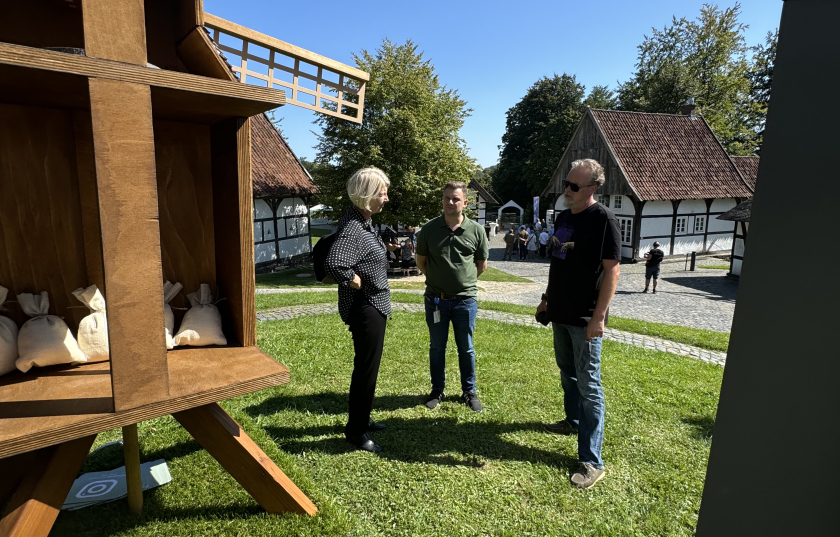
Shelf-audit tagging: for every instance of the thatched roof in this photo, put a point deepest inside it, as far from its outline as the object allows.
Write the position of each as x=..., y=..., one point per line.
x=739, y=213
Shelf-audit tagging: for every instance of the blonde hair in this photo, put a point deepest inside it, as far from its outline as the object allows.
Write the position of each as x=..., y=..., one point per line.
x=596, y=171
x=364, y=185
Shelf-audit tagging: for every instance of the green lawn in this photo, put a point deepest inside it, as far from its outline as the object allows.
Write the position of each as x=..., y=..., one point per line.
x=706, y=339
x=300, y=277
x=445, y=472
x=495, y=275
x=716, y=267
x=316, y=234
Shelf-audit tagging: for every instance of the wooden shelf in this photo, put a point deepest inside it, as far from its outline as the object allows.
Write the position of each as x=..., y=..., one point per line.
x=56, y=404
x=43, y=77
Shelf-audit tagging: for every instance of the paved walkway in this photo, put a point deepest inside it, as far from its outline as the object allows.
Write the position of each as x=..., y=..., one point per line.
x=648, y=342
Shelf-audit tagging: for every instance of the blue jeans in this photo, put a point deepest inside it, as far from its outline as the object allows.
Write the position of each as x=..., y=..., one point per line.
x=579, y=361
x=462, y=314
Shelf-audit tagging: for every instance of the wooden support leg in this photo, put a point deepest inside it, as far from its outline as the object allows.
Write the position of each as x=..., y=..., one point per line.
x=35, y=505
x=131, y=452
x=225, y=440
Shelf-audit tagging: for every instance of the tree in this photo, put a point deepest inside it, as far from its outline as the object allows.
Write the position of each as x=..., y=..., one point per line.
x=705, y=59
x=761, y=78
x=410, y=130
x=538, y=129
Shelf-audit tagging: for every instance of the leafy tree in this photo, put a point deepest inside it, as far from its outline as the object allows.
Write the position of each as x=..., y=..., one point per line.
x=761, y=78
x=705, y=59
x=410, y=130
x=538, y=129
x=602, y=98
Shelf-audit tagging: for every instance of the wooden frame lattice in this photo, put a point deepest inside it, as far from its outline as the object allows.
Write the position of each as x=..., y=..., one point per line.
x=330, y=97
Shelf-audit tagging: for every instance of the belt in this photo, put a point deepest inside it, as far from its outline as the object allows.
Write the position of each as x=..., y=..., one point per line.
x=444, y=296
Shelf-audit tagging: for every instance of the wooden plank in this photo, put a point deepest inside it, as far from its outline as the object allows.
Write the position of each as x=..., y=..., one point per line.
x=212, y=21
x=123, y=141
x=200, y=57
x=36, y=503
x=190, y=15
x=115, y=30
x=42, y=24
x=233, y=212
x=134, y=483
x=258, y=99
x=89, y=200
x=225, y=440
x=41, y=239
x=13, y=470
x=162, y=33
x=185, y=205
x=197, y=376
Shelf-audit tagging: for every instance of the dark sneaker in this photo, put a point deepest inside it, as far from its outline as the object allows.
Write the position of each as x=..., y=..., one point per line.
x=471, y=400
x=563, y=427
x=434, y=399
x=587, y=475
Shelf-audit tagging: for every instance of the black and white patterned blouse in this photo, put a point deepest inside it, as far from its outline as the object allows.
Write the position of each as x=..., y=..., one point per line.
x=359, y=250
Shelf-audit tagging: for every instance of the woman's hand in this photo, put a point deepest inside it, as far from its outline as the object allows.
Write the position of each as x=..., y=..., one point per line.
x=393, y=246
x=356, y=283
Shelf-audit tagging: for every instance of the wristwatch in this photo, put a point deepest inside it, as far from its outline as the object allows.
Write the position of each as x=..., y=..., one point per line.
x=544, y=297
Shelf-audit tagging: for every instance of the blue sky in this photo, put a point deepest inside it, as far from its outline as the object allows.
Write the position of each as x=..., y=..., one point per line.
x=491, y=51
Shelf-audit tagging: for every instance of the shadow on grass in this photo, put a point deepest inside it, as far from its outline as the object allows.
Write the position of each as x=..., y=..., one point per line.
x=114, y=457
x=703, y=426
x=429, y=440
x=329, y=403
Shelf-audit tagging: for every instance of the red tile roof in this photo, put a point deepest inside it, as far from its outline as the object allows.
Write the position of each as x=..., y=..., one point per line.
x=275, y=169
x=667, y=156
x=748, y=166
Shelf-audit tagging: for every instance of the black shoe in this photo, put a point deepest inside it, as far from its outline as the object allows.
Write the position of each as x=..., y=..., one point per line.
x=563, y=427
x=364, y=443
x=654, y=291
x=434, y=399
x=471, y=400
x=645, y=291
x=373, y=426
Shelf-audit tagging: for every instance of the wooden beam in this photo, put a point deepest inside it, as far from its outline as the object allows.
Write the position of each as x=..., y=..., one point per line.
x=123, y=142
x=225, y=440
x=199, y=55
x=133, y=481
x=190, y=15
x=115, y=30
x=89, y=199
x=36, y=503
x=261, y=98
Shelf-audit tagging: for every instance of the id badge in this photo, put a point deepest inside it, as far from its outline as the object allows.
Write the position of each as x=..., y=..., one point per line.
x=436, y=313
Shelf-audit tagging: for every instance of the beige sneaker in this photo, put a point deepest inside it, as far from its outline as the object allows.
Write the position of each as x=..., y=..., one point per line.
x=587, y=475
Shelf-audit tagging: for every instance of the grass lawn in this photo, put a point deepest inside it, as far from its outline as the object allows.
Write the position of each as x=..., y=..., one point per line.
x=445, y=472
x=706, y=339
x=495, y=275
x=716, y=267
x=299, y=277
x=316, y=234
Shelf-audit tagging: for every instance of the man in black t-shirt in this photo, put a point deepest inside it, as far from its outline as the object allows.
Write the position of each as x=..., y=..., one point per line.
x=654, y=258
x=581, y=282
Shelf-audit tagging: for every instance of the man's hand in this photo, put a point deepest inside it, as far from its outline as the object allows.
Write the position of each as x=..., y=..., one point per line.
x=542, y=307
x=357, y=282
x=595, y=328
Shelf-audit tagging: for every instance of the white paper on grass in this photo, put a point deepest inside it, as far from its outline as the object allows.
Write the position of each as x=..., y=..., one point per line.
x=202, y=324
x=44, y=339
x=93, y=330
x=8, y=339
x=170, y=291
x=102, y=487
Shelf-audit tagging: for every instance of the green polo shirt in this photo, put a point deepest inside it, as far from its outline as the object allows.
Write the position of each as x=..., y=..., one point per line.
x=451, y=256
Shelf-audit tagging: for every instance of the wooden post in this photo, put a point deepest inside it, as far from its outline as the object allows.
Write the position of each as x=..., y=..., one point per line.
x=225, y=440
x=134, y=483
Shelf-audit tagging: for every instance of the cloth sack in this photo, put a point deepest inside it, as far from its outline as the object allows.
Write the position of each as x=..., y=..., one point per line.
x=8, y=339
x=170, y=291
x=93, y=330
x=44, y=339
x=202, y=324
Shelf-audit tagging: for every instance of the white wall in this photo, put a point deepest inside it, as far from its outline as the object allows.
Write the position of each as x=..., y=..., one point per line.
x=721, y=205
x=290, y=247
x=646, y=245
x=261, y=209
x=626, y=209
x=692, y=206
x=658, y=207
x=290, y=206
x=719, y=242
x=264, y=252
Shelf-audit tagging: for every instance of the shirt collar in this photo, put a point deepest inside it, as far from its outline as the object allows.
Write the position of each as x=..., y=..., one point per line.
x=443, y=220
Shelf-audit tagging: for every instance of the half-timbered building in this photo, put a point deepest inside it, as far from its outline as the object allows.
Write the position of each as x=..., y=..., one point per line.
x=667, y=179
x=483, y=198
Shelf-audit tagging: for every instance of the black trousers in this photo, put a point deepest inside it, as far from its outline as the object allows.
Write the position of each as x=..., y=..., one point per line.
x=368, y=328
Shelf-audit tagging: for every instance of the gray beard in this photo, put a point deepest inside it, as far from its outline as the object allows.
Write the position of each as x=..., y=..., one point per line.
x=567, y=203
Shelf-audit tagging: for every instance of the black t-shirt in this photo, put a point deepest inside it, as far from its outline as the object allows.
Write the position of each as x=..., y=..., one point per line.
x=574, y=278
x=656, y=256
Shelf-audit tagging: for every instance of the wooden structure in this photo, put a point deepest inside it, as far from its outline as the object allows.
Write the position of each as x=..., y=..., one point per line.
x=740, y=214
x=125, y=163
x=483, y=198
x=667, y=177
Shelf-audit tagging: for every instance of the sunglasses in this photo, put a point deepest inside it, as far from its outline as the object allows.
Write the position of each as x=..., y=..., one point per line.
x=574, y=187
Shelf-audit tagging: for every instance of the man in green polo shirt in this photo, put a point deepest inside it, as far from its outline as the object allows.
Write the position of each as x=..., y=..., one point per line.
x=452, y=252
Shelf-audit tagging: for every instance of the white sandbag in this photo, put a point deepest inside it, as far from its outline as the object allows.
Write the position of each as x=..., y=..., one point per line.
x=170, y=291
x=8, y=339
x=202, y=325
x=44, y=339
x=93, y=330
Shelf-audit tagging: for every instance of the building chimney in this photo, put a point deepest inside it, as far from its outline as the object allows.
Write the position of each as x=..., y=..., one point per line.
x=688, y=108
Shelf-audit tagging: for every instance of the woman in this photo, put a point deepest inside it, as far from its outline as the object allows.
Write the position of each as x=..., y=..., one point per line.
x=532, y=243
x=358, y=262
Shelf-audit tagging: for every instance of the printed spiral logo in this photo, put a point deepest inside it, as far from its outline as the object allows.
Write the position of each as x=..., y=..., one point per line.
x=96, y=488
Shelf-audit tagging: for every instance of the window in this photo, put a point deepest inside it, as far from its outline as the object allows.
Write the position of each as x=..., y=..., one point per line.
x=626, y=227
x=617, y=202
x=699, y=224
x=604, y=200
x=257, y=231
x=681, y=225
